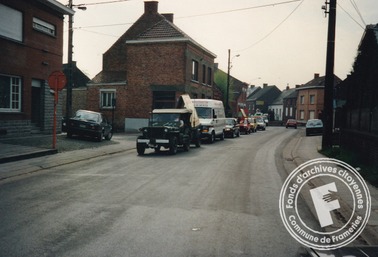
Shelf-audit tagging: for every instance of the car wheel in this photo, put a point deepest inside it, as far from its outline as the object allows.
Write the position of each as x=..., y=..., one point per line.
x=157, y=149
x=212, y=138
x=173, y=146
x=238, y=133
x=109, y=135
x=186, y=146
x=222, y=136
x=69, y=134
x=140, y=149
x=295, y=127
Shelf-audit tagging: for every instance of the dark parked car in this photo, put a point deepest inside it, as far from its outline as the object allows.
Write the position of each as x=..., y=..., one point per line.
x=91, y=124
x=314, y=127
x=291, y=123
x=232, y=128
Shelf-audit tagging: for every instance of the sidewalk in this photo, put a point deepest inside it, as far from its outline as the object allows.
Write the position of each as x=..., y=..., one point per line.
x=17, y=159
x=302, y=149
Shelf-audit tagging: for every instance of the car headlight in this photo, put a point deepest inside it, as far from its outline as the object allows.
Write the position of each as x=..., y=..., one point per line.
x=165, y=130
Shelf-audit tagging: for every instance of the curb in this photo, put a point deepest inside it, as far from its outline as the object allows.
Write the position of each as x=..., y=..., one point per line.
x=19, y=157
x=368, y=234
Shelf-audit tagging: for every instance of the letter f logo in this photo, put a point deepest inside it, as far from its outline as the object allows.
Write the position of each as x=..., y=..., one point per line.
x=325, y=202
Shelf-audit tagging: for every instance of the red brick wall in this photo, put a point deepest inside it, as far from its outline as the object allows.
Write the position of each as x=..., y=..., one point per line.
x=151, y=64
x=318, y=105
x=26, y=59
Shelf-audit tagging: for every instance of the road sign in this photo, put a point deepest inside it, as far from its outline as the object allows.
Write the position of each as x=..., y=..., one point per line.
x=57, y=80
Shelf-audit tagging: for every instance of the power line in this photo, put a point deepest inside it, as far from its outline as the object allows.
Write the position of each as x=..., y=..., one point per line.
x=192, y=16
x=274, y=29
x=358, y=11
x=105, y=2
x=350, y=16
x=240, y=9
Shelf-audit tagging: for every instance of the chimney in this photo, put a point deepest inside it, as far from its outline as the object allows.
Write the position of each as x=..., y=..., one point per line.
x=316, y=75
x=287, y=87
x=265, y=85
x=168, y=16
x=151, y=7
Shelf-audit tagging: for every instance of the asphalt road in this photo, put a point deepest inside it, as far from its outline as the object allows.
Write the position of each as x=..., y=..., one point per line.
x=217, y=200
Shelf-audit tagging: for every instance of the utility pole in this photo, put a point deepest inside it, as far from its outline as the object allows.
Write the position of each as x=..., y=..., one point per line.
x=69, y=62
x=228, y=84
x=329, y=79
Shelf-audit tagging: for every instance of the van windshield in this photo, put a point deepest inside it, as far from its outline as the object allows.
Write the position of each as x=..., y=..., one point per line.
x=204, y=112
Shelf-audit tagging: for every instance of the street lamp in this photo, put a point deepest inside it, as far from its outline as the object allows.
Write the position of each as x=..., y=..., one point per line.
x=228, y=80
x=69, y=59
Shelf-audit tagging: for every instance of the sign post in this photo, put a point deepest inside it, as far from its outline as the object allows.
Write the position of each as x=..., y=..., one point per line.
x=57, y=80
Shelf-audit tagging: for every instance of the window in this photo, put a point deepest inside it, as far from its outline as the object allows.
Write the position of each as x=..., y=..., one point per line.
x=11, y=23
x=312, y=99
x=10, y=94
x=203, y=74
x=43, y=26
x=209, y=76
x=302, y=99
x=301, y=115
x=194, y=70
x=312, y=115
x=107, y=97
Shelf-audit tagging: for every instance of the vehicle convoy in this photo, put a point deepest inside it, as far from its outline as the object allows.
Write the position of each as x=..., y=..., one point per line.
x=89, y=123
x=171, y=128
x=212, y=118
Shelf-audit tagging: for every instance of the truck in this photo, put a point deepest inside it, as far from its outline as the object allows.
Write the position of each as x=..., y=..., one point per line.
x=171, y=128
x=212, y=118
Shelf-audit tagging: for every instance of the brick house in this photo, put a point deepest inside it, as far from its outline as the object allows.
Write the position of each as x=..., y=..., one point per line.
x=148, y=67
x=282, y=108
x=261, y=99
x=310, y=99
x=290, y=106
x=31, y=48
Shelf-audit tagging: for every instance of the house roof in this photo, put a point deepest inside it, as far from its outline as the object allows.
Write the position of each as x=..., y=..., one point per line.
x=109, y=77
x=55, y=5
x=165, y=31
x=318, y=81
x=284, y=94
x=265, y=90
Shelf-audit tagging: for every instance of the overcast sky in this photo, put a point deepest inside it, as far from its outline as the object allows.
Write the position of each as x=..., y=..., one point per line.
x=280, y=42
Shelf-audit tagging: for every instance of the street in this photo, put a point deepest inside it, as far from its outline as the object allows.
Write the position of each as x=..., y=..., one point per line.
x=217, y=200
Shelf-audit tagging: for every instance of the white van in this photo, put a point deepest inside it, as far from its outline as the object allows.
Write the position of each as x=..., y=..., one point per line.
x=212, y=118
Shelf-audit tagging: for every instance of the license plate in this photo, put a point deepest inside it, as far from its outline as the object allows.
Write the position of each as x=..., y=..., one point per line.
x=82, y=126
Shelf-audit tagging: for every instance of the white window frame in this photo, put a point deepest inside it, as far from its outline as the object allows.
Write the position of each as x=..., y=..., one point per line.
x=106, y=102
x=44, y=27
x=15, y=89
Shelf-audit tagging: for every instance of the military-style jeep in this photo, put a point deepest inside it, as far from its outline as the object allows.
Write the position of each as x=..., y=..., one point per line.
x=171, y=128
